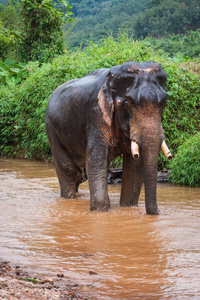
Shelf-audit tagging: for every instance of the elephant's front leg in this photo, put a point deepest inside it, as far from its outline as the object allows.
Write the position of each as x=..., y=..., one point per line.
x=132, y=179
x=97, y=172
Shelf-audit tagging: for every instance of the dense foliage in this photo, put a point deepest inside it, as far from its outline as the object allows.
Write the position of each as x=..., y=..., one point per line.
x=166, y=17
x=41, y=34
x=9, y=30
x=186, y=165
x=95, y=19
x=22, y=129
x=12, y=72
x=31, y=29
x=179, y=45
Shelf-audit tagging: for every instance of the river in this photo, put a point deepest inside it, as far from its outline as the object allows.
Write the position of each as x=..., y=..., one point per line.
x=120, y=254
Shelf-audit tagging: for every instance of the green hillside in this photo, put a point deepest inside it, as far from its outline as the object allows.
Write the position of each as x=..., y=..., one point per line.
x=170, y=25
x=95, y=20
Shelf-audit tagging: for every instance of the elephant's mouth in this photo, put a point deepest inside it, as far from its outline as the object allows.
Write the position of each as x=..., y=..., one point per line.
x=136, y=154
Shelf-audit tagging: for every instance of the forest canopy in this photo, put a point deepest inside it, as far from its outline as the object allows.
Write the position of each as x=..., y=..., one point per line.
x=173, y=23
x=94, y=19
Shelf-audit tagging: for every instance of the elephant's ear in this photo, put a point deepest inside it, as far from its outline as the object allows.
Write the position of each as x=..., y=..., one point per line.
x=105, y=100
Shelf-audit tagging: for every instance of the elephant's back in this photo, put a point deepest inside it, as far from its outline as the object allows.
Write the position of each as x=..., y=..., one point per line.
x=74, y=97
x=72, y=106
x=81, y=86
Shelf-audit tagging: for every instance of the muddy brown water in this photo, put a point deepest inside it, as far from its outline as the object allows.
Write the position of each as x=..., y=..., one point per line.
x=132, y=255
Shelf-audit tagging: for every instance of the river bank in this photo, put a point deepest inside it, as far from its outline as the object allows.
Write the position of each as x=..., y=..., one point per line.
x=16, y=283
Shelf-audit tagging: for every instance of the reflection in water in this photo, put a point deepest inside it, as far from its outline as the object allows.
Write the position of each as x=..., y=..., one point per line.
x=132, y=254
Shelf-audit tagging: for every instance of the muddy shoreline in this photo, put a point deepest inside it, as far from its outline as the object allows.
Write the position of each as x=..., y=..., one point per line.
x=16, y=283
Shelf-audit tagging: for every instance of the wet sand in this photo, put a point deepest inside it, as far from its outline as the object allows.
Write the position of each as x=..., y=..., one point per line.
x=15, y=283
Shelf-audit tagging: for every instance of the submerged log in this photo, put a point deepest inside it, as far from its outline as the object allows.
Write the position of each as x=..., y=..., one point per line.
x=115, y=176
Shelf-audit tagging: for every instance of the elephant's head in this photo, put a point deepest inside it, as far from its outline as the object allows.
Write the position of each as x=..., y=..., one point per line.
x=133, y=98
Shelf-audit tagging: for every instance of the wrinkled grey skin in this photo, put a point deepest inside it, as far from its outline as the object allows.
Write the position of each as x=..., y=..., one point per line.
x=92, y=120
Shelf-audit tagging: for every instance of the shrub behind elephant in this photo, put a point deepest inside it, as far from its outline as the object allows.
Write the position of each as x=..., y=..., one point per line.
x=92, y=120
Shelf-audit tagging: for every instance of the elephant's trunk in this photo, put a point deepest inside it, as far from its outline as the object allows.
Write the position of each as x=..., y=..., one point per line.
x=150, y=157
x=150, y=182
x=150, y=151
x=146, y=138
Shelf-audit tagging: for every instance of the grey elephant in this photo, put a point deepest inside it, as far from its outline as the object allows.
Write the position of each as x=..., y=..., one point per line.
x=92, y=120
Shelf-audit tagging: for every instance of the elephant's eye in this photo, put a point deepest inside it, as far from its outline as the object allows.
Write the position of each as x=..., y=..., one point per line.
x=128, y=106
x=161, y=80
x=124, y=84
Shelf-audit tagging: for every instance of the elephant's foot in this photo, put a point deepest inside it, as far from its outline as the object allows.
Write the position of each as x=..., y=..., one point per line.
x=68, y=191
x=128, y=203
x=100, y=208
x=100, y=205
x=69, y=185
x=153, y=211
x=67, y=195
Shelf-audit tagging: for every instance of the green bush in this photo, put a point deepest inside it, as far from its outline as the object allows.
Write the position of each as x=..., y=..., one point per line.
x=23, y=106
x=22, y=116
x=186, y=164
x=181, y=117
x=10, y=71
x=7, y=41
x=180, y=45
x=10, y=25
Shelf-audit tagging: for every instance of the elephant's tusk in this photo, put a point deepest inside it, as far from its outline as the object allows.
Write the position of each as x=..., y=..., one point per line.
x=165, y=150
x=135, y=150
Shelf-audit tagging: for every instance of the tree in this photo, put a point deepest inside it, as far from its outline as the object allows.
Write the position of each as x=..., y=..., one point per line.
x=6, y=41
x=41, y=37
x=10, y=25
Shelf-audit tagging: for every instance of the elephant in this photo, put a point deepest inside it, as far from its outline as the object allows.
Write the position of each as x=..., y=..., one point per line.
x=109, y=112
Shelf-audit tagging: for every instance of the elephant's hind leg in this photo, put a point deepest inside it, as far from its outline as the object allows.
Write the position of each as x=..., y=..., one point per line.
x=69, y=175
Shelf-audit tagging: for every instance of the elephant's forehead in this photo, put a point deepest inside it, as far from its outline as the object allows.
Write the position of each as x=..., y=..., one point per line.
x=153, y=69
